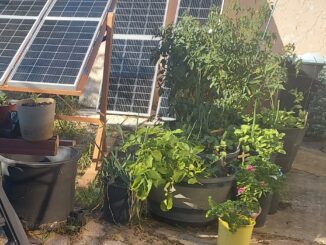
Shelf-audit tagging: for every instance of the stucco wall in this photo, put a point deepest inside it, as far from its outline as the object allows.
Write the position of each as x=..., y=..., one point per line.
x=302, y=22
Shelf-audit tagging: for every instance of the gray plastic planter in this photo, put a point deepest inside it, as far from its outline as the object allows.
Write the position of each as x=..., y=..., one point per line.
x=190, y=202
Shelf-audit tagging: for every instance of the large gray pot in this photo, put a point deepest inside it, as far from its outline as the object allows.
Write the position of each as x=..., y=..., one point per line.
x=190, y=202
x=292, y=141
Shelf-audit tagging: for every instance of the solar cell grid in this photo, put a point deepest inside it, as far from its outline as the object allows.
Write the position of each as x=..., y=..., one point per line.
x=197, y=8
x=12, y=35
x=141, y=17
x=132, y=74
x=57, y=53
x=78, y=8
x=22, y=7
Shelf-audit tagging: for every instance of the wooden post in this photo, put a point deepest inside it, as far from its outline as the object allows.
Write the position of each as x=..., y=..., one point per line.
x=100, y=149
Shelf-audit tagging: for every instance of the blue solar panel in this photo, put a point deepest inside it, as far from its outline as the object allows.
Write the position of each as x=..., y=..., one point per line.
x=57, y=53
x=22, y=7
x=142, y=17
x=13, y=33
x=132, y=75
x=78, y=8
x=197, y=8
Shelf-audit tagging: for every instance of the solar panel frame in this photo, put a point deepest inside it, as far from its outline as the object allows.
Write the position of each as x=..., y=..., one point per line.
x=11, y=65
x=162, y=110
x=82, y=68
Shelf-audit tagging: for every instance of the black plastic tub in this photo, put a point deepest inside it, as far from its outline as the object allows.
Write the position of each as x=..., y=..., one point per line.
x=265, y=204
x=116, y=203
x=292, y=141
x=42, y=191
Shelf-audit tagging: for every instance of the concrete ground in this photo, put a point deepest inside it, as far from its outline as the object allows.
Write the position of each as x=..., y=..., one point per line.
x=301, y=218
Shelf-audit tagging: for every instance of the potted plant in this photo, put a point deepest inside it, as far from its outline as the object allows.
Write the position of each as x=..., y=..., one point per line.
x=36, y=118
x=258, y=179
x=116, y=188
x=5, y=108
x=235, y=221
x=168, y=170
x=292, y=123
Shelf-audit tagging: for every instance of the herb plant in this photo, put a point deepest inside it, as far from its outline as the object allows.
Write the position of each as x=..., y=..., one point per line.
x=259, y=141
x=236, y=213
x=3, y=99
x=161, y=158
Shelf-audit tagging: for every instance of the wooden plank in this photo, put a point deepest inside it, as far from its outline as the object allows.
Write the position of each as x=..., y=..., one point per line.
x=84, y=119
x=100, y=144
x=67, y=143
x=40, y=91
x=23, y=147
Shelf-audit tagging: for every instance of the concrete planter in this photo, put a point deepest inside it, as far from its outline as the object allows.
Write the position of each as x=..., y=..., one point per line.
x=190, y=202
x=36, y=119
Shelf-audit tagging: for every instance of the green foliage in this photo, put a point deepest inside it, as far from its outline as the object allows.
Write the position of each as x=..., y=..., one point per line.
x=3, y=99
x=216, y=69
x=280, y=119
x=161, y=158
x=35, y=97
x=317, y=110
x=236, y=213
x=262, y=142
x=89, y=197
x=257, y=177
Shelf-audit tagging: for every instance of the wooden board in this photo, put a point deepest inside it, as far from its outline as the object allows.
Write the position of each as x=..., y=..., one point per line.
x=23, y=147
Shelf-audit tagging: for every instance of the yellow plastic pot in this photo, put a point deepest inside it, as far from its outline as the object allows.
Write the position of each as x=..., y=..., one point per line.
x=241, y=237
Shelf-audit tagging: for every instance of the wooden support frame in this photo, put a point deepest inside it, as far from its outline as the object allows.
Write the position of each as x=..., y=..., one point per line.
x=100, y=146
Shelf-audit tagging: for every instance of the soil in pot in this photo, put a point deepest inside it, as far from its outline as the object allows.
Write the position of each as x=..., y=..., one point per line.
x=265, y=204
x=36, y=120
x=116, y=203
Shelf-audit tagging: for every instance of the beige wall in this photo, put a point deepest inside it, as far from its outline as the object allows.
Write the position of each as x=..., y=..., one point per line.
x=302, y=22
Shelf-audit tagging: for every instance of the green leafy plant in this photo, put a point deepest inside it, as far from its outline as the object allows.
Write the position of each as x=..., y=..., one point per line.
x=317, y=110
x=236, y=213
x=257, y=177
x=259, y=141
x=276, y=118
x=161, y=158
x=3, y=99
x=217, y=68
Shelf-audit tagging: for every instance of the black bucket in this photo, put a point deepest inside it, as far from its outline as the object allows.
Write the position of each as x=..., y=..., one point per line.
x=292, y=141
x=265, y=204
x=275, y=203
x=43, y=191
x=116, y=203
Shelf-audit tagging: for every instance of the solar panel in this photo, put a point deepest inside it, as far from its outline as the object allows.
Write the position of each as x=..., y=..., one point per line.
x=78, y=8
x=57, y=52
x=13, y=33
x=197, y=8
x=200, y=10
x=142, y=17
x=22, y=7
x=132, y=74
x=57, y=56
